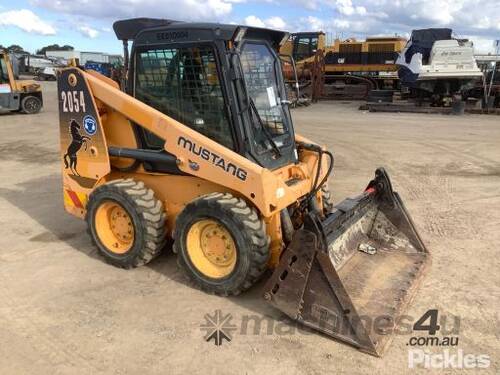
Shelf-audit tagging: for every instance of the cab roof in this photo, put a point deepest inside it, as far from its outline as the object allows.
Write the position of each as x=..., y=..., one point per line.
x=129, y=28
x=146, y=30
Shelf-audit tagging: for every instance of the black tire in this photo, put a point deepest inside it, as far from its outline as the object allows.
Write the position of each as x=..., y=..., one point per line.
x=248, y=232
x=148, y=218
x=327, y=199
x=31, y=104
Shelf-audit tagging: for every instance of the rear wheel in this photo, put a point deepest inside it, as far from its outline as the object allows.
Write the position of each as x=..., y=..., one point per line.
x=126, y=223
x=221, y=243
x=31, y=104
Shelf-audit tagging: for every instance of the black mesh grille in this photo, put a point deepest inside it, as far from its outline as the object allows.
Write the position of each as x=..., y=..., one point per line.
x=184, y=84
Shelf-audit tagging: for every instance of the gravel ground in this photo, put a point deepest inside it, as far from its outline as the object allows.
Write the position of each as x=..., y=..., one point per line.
x=65, y=311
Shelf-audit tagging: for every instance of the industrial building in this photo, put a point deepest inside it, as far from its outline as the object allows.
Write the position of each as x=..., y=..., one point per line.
x=85, y=56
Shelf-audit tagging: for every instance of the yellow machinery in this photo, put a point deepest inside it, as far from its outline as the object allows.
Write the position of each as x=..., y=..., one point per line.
x=200, y=149
x=24, y=95
x=348, y=68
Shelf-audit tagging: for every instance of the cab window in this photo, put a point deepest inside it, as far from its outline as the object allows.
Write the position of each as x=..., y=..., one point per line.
x=305, y=47
x=184, y=84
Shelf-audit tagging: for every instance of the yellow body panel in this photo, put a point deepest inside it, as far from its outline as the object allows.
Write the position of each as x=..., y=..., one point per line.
x=93, y=161
x=287, y=48
x=260, y=186
x=114, y=111
x=25, y=85
x=329, y=68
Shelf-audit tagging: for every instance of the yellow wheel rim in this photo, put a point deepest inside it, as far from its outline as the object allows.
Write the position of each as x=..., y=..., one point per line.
x=114, y=227
x=211, y=248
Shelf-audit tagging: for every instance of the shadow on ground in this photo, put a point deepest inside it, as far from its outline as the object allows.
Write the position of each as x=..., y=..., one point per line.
x=28, y=152
x=41, y=199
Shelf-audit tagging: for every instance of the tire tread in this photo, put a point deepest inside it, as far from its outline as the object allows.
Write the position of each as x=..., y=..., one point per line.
x=249, y=223
x=151, y=213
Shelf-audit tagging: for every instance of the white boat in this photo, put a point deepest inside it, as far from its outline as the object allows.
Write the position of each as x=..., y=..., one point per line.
x=434, y=65
x=450, y=59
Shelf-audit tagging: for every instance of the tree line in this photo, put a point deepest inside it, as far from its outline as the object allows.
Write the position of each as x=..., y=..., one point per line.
x=15, y=48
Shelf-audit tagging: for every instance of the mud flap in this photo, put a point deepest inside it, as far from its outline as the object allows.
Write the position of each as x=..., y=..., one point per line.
x=352, y=274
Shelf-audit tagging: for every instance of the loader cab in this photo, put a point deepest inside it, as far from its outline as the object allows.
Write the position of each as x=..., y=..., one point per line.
x=224, y=81
x=306, y=44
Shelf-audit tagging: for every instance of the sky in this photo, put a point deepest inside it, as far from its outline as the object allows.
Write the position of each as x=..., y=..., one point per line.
x=87, y=24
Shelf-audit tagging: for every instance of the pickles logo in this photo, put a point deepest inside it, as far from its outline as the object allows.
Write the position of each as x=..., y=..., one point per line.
x=447, y=359
x=212, y=157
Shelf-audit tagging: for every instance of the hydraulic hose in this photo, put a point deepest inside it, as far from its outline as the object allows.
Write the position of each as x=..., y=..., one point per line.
x=317, y=186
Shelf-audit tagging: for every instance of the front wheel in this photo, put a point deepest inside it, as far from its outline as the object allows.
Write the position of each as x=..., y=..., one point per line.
x=221, y=243
x=31, y=104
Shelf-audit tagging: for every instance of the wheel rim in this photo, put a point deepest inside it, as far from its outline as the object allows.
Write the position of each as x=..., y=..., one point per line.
x=114, y=227
x=211, y=248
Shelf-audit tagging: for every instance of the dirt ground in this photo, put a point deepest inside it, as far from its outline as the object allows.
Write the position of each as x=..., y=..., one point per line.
x=65, y=311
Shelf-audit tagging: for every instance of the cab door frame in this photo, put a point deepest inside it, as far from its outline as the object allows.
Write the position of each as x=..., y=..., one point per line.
x=222, y=62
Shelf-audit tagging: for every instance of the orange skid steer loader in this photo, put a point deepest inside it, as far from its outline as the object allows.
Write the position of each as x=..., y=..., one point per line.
x=199, y=147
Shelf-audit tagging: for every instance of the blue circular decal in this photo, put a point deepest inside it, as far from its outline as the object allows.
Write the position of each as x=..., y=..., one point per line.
x=90, y=125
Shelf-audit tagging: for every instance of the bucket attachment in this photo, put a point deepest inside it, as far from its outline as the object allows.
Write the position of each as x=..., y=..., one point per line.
x=352, y=274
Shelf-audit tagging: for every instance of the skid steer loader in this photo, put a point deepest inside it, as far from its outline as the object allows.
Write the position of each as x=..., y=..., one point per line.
x=200, y=148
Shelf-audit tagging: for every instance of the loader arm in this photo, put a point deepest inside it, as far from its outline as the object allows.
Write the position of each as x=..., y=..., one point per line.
x=200, y=156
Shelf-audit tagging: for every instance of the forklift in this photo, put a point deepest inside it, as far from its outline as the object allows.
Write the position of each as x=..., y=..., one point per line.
x=17, y=95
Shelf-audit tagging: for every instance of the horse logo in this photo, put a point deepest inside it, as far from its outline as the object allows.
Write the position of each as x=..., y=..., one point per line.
x=77, y=141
